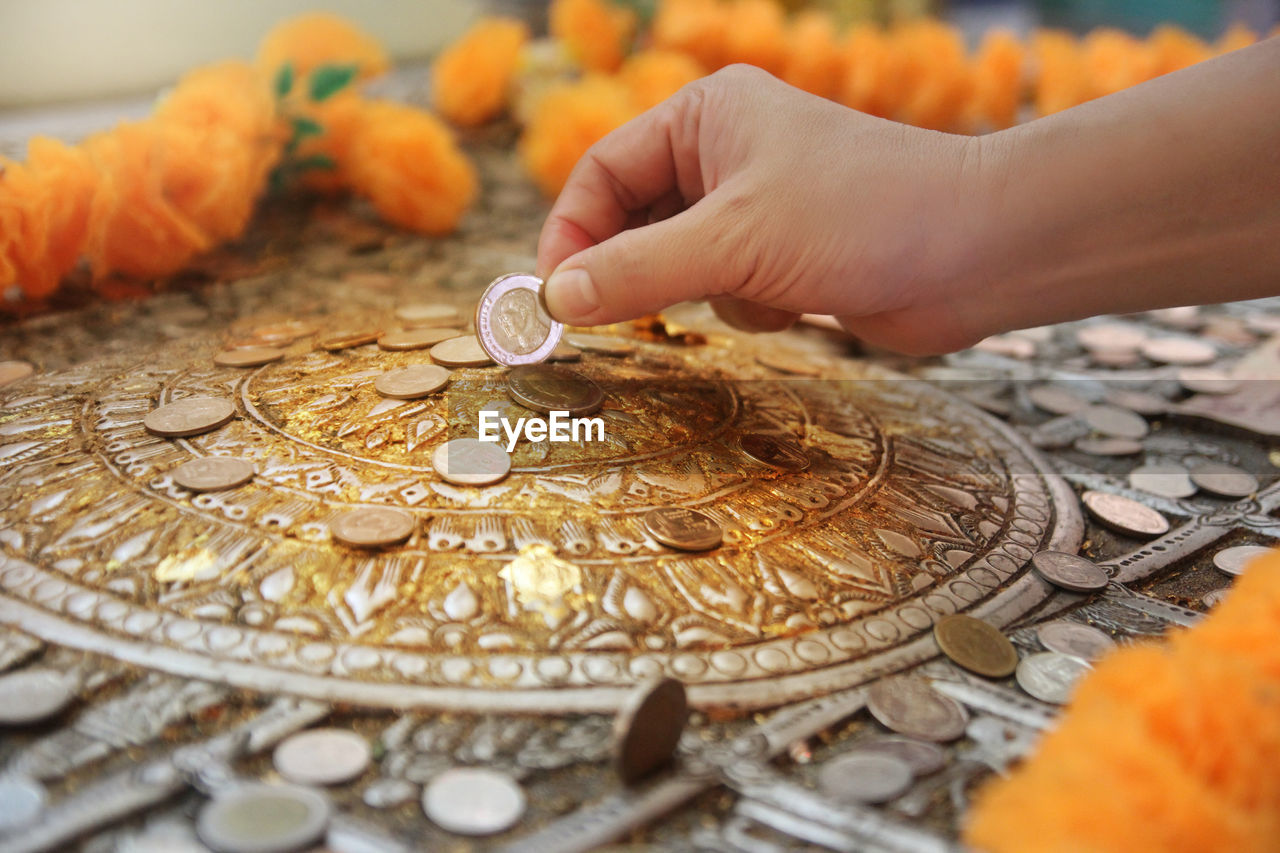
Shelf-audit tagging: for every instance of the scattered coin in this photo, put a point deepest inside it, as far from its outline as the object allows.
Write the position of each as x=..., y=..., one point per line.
x=1179, y=351
x=389, y=793
x=410, y=339
x=1142, y=402
x=322, y=756
x=213, y=473
x=543, y=388
x=12, y=371
x=349, y=339
x=512, y=323
x=189, y=416
x=427, y=315
x=686, y=529
x=781, y=453
x=1178, y=317
x=257, y=818
x=1124, y=515
x=1056, y=401
x=1108, y=446
x=864, y=777
x=32, y=695
x=908, y=705
x=278, y=334
x=248, y=356
x=373, y=526
x=647, y=729
x=471, y=462
x=412, y=382
x=601, y=344
x=976, y=645
x=1234, y=560
x=1050, y=676
x=565, y=352
x=1206, y=380
x=1059, y=432
x=1114, y=357
x=1111, y=337
x=462, y=351
x=1069, y=571
x=21, y=801
x=1224, y=480
x=1007, y=345
x=921, y=756
x=473, y=801
x=1164, y=479
x=1115, y=421
x=1074, y=638
x=788, y=362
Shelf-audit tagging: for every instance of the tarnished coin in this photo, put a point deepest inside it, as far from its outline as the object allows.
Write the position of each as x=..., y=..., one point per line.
x=686, y=529
x=213, y=473
x=189, y=416
x=257, y=818
x=248, y=356
x=349, y=339
x=1234, y=560
x=543, y=388
x=1164, y=479
x=976, y=645
x=1228, y=481
x=600, y=344
x=1179, y=351
x=1124, y=515
x=647, y=729
x=908, y=705
x=473, y=801
x=322, y=757
x=1206, y=380
x=785, y=454
x=1073, y=638
x=12, y=371
x=921, y=756
x=1050, y=676
x=864, y=777
x=429, y=314
x=1069, y=571
x=462, y=351
x=412, y=382
x=1115, y=421
x=512, y=323
x=787, y=361
x=21, y=801
x=1055, y=400
x=1142, y=402
x=32, y=695
x=410, y=339
x=471, y=462
x=373, y=526
x=565, y=352
x=1108, y=446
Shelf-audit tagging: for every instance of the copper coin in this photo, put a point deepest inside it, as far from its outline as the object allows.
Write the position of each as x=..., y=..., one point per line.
x=189, y=416
x=908, y=705
x=1115, y=421
x=372, y=526
x=1074, y=638
x=12, y=371
x=1163, y=479
x=781, y=453
x=1206, y=380
x=1179, y=351
x=512, y=323
x=1233, y=561
x=1224, y=480
x=1108, y=446
x=976, y=645
x=788, y=362
x=248, y=357
x=213, y=473
x=1141, y=402
x=1124, y=515
x=471, y=462
x=462, y=351
x=412, y=382
x=410, y=339
x=426, y=315
x=1069, y=571
x=1057, y=401
x=346, y=340
x=553, y=389
x=647, y=729
x=686, y=529
x=601, y=344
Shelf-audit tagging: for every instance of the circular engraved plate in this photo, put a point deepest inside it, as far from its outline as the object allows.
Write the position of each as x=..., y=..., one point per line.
x=905, y=505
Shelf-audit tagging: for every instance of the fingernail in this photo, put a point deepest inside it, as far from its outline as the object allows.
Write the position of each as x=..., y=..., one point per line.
x=571, y=295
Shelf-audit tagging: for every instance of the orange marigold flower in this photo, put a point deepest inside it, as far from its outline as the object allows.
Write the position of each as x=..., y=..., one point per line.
x=568, y=120
x=1115, y=60
x=934, y=83
x=320, y=38
x=997, y=82
x=652, y=76
x=814, y=61
x=695, y=27
x=471, y=80
x=228, y=95
x=756, y=34
x=868, y=61
x=1176, y=48
x=1061, y=78
x=405, y=161
x=596, y=33
x=1236, y=37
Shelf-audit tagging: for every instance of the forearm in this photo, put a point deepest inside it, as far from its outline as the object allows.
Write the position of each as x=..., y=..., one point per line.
x=1164, y=194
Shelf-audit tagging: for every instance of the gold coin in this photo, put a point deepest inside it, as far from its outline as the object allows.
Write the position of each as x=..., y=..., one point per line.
x=372, y=526
x=409, y=339
x=12, y=371
x=347, y=340
x=553, y=389
x=471, y=462
x=428, y=315
x=213, y=473
x=647, y=729
x=686, y=529
x=976, y=646
x=601, y=344
x=463, y=351
x=783, y=454
x=248, y=356
x=409, y=383
x=189, y=416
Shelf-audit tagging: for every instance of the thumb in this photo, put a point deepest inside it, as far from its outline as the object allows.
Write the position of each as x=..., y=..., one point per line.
x=643, y=270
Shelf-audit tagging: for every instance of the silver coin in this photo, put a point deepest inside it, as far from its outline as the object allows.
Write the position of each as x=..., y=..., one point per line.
x=189, y=416
x=1233, y=561
x=213, y=473
x=473, y=801
x=373, y=526
x=462, y=351
x=512, y=323
x=1073, y=638
x=908, y=705
x=1055, y=400
x=412, y=382
x=32, y=695
x=322, y=757
x=1163, y=479
x=1050, y=676
x=257, y=818
x=1108, y=446
x=471, y=462
x=1228, y=481
x=1115, y=421
x=921, y=756
x=546, y=389
x=1179, y=351
x=864, y=777
x=1206, y=380
x=1142, y=402
x=21, y=801
x=1069, y=571
x=1125, y=515
x=601, y=344
x=389, y=793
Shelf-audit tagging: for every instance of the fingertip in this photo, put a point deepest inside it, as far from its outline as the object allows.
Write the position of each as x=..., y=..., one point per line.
x=572, y=297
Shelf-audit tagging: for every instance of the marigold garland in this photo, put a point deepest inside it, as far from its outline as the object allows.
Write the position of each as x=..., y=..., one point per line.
x=308, y=42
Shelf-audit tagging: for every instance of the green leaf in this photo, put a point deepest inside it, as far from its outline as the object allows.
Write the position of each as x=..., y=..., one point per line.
x=328, y=80
x=304, y=127
x=315, y=161
x=284, y=79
